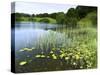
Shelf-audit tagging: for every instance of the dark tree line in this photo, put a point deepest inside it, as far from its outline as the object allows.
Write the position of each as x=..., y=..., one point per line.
x=70, y=18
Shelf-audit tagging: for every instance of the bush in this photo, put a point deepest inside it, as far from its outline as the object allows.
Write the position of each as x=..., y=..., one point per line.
x=44, y=20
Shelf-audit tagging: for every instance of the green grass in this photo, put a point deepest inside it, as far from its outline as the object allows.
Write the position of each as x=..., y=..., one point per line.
x=80, y=53
x=21, y=19
x=51, y=20
x=35, y=19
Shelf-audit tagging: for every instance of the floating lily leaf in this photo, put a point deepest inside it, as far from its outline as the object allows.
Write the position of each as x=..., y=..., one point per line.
x=42, y=56
x=54, y=56
x=61, y=51
x=62, y=55
x=21, y=50
x=70, y=53
x=53, y=49
x=77, y=57
x=22, y=63
x=58, y=48
x=66, y=58
x=74, y=63
x=51, y=52
x=26, y=49
x=81, y=66
x=48, y=56
x=78, y=53
x=37, y=56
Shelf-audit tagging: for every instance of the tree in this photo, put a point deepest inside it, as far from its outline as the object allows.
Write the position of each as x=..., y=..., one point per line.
x=60, y=18
x=33, y=15
x=84, y=10
x=71, y=18
x=53, y=15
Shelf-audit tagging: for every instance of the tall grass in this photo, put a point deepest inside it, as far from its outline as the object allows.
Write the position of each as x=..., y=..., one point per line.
x=78, y=47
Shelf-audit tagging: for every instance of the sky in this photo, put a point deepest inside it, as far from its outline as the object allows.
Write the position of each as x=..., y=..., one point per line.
x=37, y=8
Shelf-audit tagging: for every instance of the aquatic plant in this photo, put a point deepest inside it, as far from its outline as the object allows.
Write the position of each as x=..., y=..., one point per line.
x=76, y=48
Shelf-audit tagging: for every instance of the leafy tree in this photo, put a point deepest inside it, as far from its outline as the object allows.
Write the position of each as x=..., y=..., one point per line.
x=60, y=18
x=33, y=15
x=84, y=10
x=53, y=15
x=42, y=15
x=71, y=18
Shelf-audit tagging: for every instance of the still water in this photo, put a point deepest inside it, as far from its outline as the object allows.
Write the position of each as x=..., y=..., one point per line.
x=26, y=35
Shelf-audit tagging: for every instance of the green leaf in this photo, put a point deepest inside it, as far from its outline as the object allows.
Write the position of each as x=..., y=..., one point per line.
x=42, y=56
x=66, y=58
x=62, y=55
x=54, y=56
x=77, y=57
x=22, y=63
x=37, y=56
x=51, y=52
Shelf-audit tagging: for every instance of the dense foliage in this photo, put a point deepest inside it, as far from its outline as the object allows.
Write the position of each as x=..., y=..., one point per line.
x=71, y=18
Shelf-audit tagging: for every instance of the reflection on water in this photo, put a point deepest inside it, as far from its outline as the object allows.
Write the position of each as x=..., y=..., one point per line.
x=28, y=35
x=36, y=25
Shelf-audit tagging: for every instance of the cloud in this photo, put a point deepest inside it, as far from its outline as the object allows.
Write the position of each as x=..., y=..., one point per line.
x=36, y=8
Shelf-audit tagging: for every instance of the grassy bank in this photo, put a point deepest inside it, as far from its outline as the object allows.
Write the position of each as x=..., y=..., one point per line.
x=37, y=19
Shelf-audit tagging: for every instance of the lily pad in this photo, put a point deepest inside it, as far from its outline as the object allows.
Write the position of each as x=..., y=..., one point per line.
x=74, y=63
x=37, y=56
x=66, y=58
x=23, y=63
x=54, y=56
x=77, y=57
x=51, y=52
x=21, y=50
x=48, y=56
x=53, y=49
x=26, y=49
x=62, y=55
x=42, y=56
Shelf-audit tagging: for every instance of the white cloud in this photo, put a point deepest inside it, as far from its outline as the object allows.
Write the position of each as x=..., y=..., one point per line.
x=36, y=8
